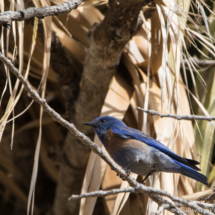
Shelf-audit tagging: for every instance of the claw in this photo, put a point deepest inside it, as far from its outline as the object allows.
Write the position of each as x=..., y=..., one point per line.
x=120, y=177
x=128, y=172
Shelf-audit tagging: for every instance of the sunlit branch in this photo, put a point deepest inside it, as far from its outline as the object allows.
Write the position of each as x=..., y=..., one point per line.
x=184, y=117
x=106, y=193
x=168, y=205
x=205, y=195
x=7, y=17
x=101, y=193
x=202, y=63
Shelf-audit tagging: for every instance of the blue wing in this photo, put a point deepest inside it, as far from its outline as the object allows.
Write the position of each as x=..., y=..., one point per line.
x=131, y=133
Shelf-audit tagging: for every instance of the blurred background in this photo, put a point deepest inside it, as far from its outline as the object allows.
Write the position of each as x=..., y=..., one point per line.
x=167, y=65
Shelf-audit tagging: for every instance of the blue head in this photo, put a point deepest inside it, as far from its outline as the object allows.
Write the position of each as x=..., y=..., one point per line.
x=102, y=124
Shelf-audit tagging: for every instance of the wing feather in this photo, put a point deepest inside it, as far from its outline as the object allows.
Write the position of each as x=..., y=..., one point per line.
x=131, y=133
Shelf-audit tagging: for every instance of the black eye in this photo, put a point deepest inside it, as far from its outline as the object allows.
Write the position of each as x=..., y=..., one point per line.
x=103, y=120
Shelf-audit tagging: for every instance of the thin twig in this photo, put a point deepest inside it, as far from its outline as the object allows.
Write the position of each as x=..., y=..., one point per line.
x=200, y=196
x=210, y=198
x=161, y=209
x=7, y=17
x=153, y=193
x=106, y=193
x=201, y=63
x=169, y=205
x=132, y=190
x=184, y=117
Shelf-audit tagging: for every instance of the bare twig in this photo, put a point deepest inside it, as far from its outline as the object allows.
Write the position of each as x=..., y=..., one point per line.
x=168, y=205
x=201, y=63
x=7, y=17
x=163, y=201
x=184, y=117
x=199, y=196
x=153, y=193
x=210, y=198
x=162, y=208
x=137, y=189
x=106, y=193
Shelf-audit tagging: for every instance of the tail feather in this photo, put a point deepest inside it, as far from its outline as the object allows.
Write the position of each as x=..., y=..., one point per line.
x=192, y=163
x=190, y=172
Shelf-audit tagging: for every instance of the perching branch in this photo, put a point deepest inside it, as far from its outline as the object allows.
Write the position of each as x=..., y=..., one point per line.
x=184, y=117
x=153, y=193
x=7, y=17
x=168, y=205
x=134, y=190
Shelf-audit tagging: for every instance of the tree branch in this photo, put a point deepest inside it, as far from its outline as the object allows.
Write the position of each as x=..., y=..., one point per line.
x=87, y=142
x=205, y=195
x=185, y=117
x=105, y=193
x=162, y=208
x=139, y=189
x=7, y=17
x=201, y=63
x=161, y=201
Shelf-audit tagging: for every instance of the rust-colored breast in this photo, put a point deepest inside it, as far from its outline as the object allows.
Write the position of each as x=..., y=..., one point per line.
x=113, y=143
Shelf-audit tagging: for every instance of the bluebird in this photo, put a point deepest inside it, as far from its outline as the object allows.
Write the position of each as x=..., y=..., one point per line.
x=135, y=151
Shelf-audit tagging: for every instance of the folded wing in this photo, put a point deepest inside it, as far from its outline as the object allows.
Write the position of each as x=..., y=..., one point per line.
x=131, y=133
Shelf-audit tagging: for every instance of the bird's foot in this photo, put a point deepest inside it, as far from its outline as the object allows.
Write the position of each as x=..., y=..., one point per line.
x=120, y=177
x=127, y=172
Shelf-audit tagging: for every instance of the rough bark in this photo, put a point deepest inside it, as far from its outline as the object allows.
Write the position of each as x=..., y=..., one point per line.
x=107, y=42
x=68, y=76
x=9, y=16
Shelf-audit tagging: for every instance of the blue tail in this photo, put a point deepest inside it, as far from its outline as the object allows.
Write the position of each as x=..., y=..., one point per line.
x=185, y=170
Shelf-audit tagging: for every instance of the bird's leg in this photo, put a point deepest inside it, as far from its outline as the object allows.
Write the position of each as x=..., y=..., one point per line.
x=126, y=168
x=146, y=177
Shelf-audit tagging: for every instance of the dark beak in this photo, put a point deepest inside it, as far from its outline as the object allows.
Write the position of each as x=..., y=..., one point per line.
x=89, y=123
